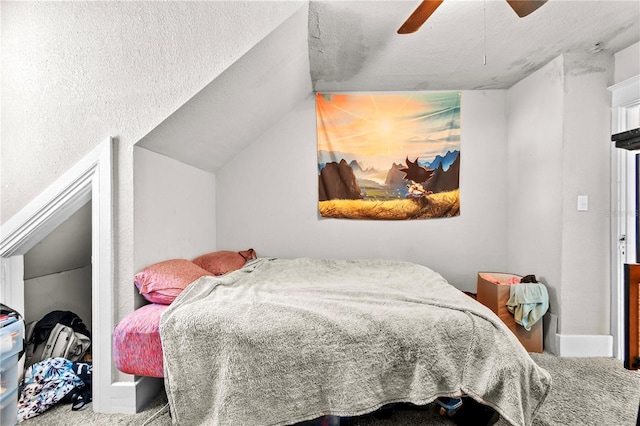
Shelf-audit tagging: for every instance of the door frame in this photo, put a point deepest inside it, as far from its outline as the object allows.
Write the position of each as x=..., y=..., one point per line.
x=90, y=179
x=624, y=96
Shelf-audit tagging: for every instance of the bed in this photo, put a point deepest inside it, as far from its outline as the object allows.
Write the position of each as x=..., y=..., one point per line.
x=281, y=341
x=137, y=348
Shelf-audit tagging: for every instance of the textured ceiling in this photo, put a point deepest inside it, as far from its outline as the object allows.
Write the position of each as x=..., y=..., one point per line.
x=353, y=45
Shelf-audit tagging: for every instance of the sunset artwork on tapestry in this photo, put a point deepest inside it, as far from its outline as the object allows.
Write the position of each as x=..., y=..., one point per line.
x=388, y=156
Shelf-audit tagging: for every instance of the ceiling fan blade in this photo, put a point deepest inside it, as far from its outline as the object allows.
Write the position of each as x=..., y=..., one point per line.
x=525, y=7
x=419, y=16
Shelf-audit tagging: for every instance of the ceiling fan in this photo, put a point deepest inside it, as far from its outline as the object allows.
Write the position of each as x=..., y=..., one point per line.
x=427, y=7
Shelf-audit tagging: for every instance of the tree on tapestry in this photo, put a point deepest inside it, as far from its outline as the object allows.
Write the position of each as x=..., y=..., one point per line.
x=388, y=156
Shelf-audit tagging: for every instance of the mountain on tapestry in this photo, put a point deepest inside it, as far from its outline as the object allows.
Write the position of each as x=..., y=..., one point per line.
x=388, y=156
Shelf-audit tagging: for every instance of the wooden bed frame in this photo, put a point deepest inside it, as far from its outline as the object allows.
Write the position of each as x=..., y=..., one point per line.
x=632, y=316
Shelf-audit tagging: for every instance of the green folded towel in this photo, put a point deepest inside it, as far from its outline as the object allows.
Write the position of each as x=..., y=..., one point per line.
x=528, y=303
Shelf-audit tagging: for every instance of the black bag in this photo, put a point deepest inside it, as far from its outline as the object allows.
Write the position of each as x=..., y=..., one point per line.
x=58, y=334
x=80, y=396
x=44, y=326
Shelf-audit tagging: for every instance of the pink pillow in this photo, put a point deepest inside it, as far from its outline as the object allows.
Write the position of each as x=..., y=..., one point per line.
x=162, y=282
x=224, y=261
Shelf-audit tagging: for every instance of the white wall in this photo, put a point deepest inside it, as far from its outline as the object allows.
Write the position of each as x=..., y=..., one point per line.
x=175, y=209
x=175, y=216
x=558, y=127
x=534, y=117
x=66, y=247
x=57, y=270
x=66, y=291
x=586, y=170
x=268, y=195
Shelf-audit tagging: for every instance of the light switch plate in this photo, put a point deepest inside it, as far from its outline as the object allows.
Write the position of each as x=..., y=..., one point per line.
x=583, y=203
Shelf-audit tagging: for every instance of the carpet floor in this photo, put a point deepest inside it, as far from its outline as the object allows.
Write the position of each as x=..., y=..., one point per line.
x=585, y=391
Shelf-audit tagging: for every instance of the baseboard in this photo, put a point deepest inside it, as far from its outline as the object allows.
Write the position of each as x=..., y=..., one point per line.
x=147, y=388
x=131, y=397
x=584, y=345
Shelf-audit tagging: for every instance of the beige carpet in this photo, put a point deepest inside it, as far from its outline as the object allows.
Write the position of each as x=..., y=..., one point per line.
x=586, y=391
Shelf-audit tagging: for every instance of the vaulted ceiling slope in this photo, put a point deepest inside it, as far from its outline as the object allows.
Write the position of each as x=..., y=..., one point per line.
x=75, y=72
x=354, y=45
x=242, y=102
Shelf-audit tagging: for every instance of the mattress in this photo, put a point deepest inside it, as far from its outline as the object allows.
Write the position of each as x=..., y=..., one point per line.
x=137, y=348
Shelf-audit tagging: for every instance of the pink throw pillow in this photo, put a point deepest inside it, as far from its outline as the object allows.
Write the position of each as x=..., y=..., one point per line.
x=224, y=261
x=162, y=282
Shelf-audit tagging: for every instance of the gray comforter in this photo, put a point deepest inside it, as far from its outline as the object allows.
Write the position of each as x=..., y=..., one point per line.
x=281, y=341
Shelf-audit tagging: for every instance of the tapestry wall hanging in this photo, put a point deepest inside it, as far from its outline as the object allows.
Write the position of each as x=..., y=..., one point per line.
x=388, y=156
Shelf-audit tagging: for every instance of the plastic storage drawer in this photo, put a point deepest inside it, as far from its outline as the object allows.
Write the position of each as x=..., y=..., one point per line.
x=9, y=408
x=8, y=373
x=11, y=339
